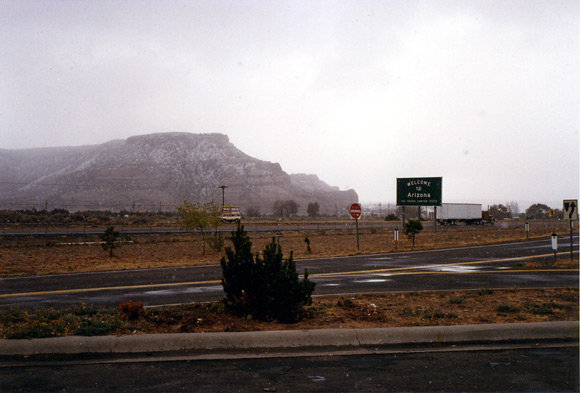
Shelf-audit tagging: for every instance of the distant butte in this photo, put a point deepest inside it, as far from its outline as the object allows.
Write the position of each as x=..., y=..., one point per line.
x=156, y=172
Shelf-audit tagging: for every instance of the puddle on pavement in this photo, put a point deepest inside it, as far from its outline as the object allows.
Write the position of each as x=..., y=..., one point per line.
x=372, y=280
x=184, y=290
x=456, y=269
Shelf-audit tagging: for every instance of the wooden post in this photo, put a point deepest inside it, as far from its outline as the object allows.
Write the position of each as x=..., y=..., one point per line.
x=571, y=243
x=357, y=242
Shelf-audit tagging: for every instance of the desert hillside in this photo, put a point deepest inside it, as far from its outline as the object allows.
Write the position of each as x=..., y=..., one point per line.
x=156, y=172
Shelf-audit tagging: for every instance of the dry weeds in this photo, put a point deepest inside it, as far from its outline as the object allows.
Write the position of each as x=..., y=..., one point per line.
x=65, y=255
x=326, y=312
x=33, y=256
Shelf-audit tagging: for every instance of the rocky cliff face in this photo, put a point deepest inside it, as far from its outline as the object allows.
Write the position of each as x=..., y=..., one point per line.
x=156, y=172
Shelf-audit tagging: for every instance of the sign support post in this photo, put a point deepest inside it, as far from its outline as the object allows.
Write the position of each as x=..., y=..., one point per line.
x=571, y=213
x=355, y=212
x=527, y=226
x=357, y=241
x=555, y=246
x=434, y=219
x=571, y=242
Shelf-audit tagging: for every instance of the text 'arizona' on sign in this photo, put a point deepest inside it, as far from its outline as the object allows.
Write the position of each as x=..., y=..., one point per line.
x=419, y=191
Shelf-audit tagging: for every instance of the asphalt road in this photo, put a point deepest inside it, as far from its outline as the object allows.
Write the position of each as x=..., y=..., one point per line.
x=530, y=369
x=495, y=266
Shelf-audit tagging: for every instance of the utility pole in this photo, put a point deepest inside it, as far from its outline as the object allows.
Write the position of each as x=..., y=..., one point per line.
x=223, y=194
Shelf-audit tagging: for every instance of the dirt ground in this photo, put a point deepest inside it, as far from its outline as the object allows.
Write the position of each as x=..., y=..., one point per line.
x=326, y=312
x=33, y=256
x=392, y=310
x=30, y=256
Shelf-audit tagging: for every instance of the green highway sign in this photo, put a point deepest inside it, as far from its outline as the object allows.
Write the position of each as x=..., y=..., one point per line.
x=419, y=191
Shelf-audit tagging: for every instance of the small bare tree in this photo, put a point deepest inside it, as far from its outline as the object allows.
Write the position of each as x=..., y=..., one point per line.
x=412, y=227
x=200, y=217
x=110, y=240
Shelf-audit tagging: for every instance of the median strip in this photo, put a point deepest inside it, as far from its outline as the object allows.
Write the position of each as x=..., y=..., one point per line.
x=79, y=290
x=411, y=268
x=398, y=271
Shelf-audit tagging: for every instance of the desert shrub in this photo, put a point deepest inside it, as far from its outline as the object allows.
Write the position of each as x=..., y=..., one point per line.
x=12, y=315
x=131, y=310
x=36, y=330
x=558, y=306
x=97, y=327
x=539, y=309
x=485, y=291
x=570, y=297
x=216, y=242
x=409, y=312
x=267, y=288
x=428, y=313
x=84, y=309
x=506, y=308
x=47, y=314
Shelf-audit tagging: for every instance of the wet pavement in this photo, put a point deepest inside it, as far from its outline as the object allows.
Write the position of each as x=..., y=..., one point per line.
x=495, y=266
x=534, y=369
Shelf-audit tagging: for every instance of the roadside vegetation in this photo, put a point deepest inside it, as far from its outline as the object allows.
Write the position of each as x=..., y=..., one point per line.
x=264, y=287
x=240, y=312
x=63, y=254
x=59, y=217
x=326, y=312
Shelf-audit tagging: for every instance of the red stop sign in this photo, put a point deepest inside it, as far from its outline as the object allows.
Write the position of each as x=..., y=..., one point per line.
x=355, y=210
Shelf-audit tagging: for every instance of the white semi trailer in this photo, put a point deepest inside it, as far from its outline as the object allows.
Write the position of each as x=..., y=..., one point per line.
x=468, y=213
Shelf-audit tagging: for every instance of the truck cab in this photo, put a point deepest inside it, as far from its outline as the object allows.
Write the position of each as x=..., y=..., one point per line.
x=231, y=214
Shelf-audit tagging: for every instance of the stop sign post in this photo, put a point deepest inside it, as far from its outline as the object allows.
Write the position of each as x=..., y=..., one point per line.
x=355, y=212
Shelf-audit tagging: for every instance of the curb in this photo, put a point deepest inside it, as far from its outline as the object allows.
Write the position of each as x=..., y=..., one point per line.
x=289, y=339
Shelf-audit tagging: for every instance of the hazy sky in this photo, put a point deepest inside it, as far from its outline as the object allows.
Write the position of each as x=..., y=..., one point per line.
x=484, y=93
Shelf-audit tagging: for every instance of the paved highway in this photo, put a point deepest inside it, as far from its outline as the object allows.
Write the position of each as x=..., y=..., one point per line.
x=494, y=266
x=476, y=369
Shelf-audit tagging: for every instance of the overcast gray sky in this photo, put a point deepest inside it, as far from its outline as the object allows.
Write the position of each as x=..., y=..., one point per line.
x=483, y=93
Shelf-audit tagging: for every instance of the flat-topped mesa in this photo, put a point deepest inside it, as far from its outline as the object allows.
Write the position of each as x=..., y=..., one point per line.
x=156, y=171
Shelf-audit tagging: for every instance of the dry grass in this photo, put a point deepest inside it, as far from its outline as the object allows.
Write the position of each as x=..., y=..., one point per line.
x=31, y=256
x=326, y=312
x=41, y=256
